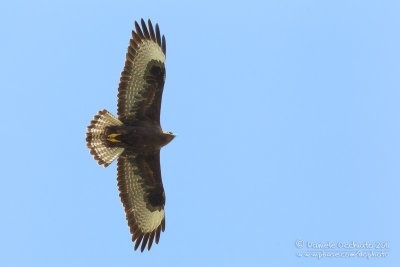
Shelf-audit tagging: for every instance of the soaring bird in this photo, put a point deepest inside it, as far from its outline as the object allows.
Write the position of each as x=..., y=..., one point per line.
x=136, y=137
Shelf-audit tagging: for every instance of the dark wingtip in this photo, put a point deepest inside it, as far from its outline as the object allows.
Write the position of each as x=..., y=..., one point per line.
x=144, y=29
x=163, y=225
x=151, y=238
x=164, y=45
x=144, y=242
x=138, y=240
x=158, y=232
x=158, y=35
x=138, y=30
x=151, y=29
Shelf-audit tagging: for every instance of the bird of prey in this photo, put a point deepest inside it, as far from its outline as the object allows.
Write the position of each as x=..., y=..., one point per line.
x=136, y=137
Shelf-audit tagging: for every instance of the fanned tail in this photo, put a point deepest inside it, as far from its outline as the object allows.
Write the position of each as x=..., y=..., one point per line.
x=96, y=140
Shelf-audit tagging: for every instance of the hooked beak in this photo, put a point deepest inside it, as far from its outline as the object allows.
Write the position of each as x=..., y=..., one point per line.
x=169, y=133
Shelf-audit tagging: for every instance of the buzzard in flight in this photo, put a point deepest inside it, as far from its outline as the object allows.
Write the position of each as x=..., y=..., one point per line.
x=135, y=137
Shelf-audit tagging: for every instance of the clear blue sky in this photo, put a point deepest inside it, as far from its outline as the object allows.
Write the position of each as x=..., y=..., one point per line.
x=287, y=121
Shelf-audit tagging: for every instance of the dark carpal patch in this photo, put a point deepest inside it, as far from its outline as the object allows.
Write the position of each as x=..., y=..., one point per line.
x=155, y=198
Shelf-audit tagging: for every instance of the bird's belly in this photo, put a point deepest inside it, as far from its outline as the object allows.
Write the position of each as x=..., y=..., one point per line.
x=135, y=137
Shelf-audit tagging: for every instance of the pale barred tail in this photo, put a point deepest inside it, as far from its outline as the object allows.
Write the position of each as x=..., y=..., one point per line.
x=97, y=141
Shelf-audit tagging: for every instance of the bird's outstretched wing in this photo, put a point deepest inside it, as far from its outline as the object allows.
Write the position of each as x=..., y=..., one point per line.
x=142, y=80
x=142, y=195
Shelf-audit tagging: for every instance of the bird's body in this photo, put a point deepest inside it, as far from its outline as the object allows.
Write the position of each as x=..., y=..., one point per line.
x=136, y=137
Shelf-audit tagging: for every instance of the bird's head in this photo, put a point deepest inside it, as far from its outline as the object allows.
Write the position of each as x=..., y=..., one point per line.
x=169, y=136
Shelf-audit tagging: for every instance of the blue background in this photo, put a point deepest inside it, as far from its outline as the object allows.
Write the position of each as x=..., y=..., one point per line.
x=287, y=122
